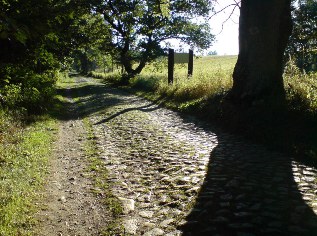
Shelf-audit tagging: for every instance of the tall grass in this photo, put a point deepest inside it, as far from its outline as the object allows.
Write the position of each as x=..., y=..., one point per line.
x=211, y=77
x=301, y=89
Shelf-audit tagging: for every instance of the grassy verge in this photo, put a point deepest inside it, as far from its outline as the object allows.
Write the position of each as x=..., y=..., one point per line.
x=291, y=127
x=97, y=171
x=24, y=153
x=26, y=142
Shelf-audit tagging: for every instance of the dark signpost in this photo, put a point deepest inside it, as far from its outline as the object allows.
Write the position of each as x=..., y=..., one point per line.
x=170, y=65
x=190, y=63
x=178, y=58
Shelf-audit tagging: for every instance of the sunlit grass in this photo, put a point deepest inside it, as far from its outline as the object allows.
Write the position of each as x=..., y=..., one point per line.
x=211, y=75
x=301, y=89
x=23, y=167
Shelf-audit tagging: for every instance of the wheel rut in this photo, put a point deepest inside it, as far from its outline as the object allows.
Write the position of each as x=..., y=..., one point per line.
x=69, y=206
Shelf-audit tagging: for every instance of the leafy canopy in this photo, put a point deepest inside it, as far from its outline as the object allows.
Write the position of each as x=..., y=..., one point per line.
x=303, y=42
x=139, y=27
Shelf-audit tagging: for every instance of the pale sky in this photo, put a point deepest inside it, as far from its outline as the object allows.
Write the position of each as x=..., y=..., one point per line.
x=226, y=39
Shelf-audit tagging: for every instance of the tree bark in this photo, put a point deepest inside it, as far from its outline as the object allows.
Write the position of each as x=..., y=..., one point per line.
x=264, y=29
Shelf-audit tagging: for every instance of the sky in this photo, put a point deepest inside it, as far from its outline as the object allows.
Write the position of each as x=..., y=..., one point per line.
x=224, y=29
x=227, y=39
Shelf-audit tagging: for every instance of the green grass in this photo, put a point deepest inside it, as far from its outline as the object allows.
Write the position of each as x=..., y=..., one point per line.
x=98, y=172
x=291, y=127
x=211, y=77
x=26, y=142
x=23, y=167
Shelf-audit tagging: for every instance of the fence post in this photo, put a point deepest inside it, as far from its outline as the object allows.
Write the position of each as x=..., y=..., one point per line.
x=170, y=65
x=190, y=63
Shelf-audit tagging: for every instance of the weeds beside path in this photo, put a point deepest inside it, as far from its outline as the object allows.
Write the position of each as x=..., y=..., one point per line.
x=24, y=154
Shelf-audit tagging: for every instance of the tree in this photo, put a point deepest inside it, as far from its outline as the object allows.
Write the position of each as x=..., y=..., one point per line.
x=26, y=26
x=212, y=53
x=264, y=29
x=90, y=34
x=35, y=42
x=302, y=47
x=139, y=27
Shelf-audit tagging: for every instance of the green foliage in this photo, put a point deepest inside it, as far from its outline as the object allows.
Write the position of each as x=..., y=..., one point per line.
x=139, y=28
x=303, y=43
x=36, y=39
x=30, y=91
x=91, y=35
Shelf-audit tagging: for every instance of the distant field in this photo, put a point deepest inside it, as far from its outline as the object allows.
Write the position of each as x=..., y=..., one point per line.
x=211, y=76
x=208, y=66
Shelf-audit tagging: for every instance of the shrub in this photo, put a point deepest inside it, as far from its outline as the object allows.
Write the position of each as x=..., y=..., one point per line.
x=33, y=92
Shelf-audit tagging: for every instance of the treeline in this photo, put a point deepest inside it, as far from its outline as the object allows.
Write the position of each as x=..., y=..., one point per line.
x=302, y=47
x=37, y=39
x=41, y=39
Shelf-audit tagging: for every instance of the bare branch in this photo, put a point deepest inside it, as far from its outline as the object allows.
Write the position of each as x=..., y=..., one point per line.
x=216, y=13
x=235, y=6
x=238, y=3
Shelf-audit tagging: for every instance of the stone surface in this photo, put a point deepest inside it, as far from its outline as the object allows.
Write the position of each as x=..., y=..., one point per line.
x=179, y=169
x=154, y=232
x=130, y=226
x=127, y=204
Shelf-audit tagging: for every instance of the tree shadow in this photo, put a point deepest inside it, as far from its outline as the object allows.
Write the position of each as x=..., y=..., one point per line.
x=249, y=190
x=84, y=100
x=146, y=108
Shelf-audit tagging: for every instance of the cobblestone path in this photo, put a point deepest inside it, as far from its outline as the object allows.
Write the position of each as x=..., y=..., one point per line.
x=178, y=176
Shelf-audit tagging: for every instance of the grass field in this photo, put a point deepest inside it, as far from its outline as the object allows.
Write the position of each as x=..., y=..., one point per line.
x=211, y=76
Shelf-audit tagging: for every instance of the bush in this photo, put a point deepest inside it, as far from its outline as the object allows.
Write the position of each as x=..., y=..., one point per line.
x=301, y=89
x=33, y=93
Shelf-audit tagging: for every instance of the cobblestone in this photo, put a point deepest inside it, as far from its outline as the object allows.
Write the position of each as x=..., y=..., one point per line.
x=188, y=178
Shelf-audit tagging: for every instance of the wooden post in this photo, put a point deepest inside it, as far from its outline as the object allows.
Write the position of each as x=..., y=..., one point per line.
x=190, y=63
x=112, y=63
x=170, y=65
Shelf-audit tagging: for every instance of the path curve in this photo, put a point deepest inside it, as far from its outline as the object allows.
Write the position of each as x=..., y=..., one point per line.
x=176, y=175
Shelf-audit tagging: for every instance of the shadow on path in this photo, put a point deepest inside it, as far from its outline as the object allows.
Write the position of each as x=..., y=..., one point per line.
x=247, y=190
x=251, y=191
x=86, y=99
x=147, y=108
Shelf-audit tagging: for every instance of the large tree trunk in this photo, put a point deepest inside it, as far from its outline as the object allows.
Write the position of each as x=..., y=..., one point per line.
x=264, y=29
